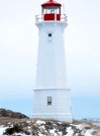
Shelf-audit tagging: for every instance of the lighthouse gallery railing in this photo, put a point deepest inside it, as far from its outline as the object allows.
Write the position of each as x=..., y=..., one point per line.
x=40, y=18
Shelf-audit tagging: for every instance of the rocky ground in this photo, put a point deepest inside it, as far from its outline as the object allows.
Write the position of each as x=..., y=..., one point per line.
x=10, y=126
x=37, y=127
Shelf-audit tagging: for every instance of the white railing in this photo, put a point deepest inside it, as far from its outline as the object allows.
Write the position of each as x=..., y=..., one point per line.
x=40, y=18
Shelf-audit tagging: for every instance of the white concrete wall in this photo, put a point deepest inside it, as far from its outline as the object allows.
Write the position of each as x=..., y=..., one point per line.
x=60, y=108
x=51, y=74
x=51, y=70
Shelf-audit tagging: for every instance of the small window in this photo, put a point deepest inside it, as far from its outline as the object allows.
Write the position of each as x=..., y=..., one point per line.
x=49, y=100
x=49, y=34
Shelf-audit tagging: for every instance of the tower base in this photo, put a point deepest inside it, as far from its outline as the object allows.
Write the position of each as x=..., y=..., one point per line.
x=54, y=116
x=52, y=104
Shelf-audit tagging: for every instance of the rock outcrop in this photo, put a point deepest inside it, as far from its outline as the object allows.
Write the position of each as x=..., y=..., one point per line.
x=11, y=114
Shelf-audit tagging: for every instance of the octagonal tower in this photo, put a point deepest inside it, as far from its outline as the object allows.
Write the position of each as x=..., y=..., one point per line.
x=51, y=95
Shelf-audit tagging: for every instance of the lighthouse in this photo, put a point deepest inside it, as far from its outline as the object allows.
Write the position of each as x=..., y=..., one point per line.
x=51, y=95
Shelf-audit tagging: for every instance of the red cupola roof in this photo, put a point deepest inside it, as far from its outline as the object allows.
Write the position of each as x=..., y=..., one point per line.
x=51, y=3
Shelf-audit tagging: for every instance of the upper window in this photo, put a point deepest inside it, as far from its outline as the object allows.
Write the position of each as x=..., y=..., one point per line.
x=49, y=34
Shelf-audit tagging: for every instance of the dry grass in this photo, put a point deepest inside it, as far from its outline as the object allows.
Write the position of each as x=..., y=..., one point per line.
x=48, y=125
x=87, y=125
x=5, y=120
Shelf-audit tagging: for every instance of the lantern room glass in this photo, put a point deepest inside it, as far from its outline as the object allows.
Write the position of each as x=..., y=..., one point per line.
x=51, y=10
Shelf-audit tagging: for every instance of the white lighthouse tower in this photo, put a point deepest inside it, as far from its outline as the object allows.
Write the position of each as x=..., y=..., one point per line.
x=51, y=95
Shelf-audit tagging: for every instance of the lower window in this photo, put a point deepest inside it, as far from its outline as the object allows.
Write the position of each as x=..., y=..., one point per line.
x=49, y=100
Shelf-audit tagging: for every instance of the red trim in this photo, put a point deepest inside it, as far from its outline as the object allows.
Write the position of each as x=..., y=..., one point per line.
x=48, y=17
x=51, y=3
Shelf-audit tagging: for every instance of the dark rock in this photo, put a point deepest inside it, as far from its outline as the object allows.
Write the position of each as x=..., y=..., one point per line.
x=15, y=129
x=11, y=114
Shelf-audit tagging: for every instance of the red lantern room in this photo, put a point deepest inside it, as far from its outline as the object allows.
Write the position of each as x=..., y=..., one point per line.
x=51, y=10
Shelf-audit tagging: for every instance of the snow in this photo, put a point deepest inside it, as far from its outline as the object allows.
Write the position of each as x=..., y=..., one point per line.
x=69, y=130
x=52, y=131
x=39, y=122
x=88, y=133
x=97, y=124
x=80, y=127
x=2, y=129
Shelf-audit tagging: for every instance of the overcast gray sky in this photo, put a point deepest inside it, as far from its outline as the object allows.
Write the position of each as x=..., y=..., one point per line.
x=18, y=52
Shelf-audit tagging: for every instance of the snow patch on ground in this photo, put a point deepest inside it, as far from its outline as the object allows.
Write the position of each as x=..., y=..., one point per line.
x=49, y=128
x=40, y=122
x=69, y=131
x=2, y=129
